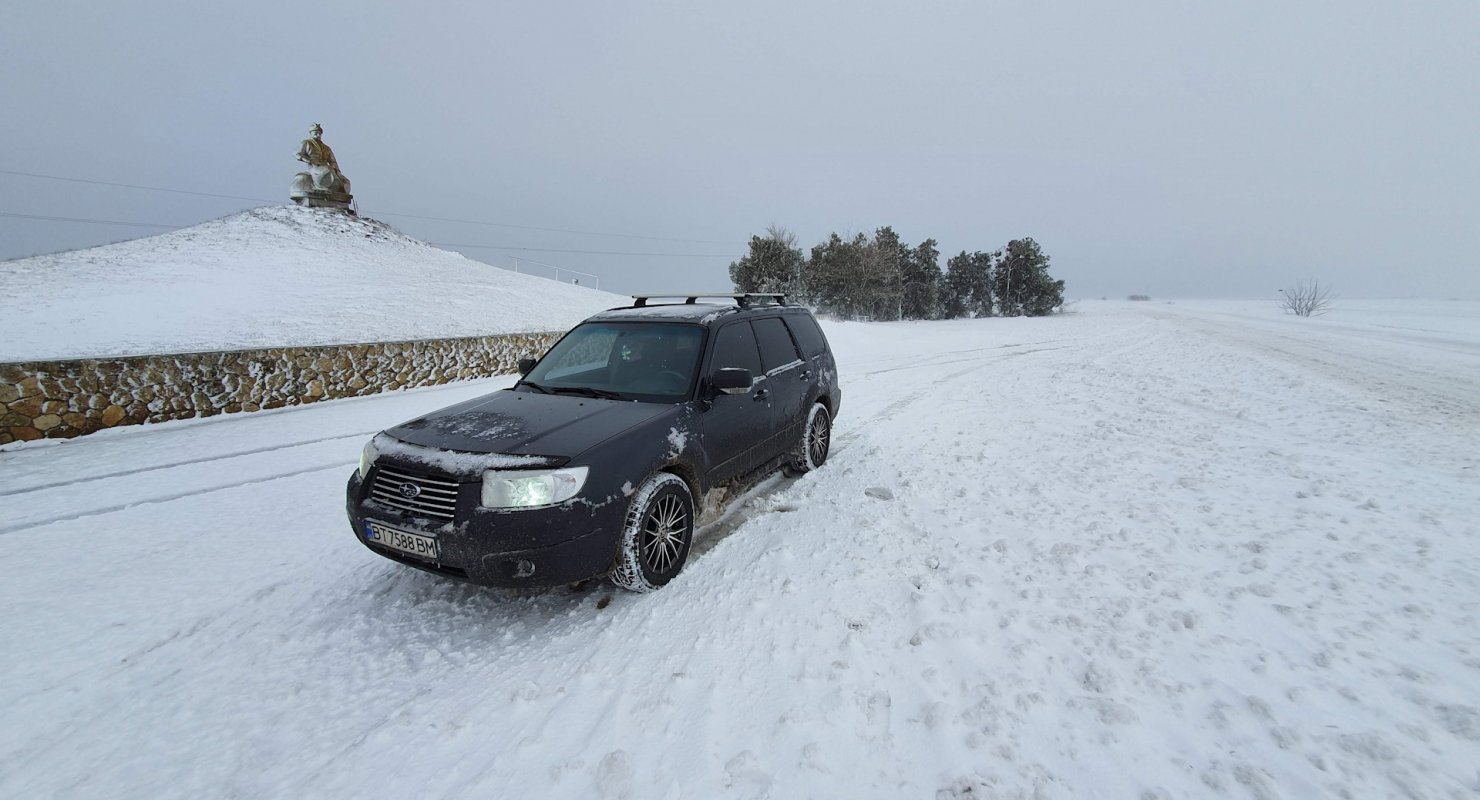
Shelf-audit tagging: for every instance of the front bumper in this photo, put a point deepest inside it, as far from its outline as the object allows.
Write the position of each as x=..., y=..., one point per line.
x=517, y=549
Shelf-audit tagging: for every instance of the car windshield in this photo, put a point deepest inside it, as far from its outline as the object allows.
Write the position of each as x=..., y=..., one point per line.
x=647, y=361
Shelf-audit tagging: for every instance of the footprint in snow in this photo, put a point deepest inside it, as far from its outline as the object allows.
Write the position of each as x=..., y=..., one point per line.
x=1107, y=711
x=878, y=493
x=1460, y=720
x=615, y=776
x=745, y=770
x=812, y=758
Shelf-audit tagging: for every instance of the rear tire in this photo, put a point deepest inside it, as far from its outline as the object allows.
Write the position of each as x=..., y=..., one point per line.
x=657, y=535
x=812, y=450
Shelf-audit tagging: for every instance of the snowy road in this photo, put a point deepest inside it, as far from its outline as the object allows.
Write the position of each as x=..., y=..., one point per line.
x=1142, y=550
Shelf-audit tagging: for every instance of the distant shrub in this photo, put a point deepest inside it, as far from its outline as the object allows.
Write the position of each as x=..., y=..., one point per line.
x=1306, y=299
x=1139, y=297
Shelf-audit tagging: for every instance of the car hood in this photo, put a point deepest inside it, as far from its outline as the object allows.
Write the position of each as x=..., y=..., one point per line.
x=524, y=423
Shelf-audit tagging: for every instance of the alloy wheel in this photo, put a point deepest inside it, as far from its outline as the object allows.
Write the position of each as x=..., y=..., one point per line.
x=663, y=533
x=818, y=436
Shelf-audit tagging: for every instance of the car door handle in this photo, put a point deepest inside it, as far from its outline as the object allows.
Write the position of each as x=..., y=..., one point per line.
x=807, y=375
x=761, y=394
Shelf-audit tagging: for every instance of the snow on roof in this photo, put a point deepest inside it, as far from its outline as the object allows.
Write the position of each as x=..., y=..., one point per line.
x=270, y=276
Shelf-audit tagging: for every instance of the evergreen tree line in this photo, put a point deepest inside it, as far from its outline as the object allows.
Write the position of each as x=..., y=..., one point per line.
x=883, y=278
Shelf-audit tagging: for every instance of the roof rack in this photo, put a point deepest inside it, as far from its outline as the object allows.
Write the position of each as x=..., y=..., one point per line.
x=742, y=299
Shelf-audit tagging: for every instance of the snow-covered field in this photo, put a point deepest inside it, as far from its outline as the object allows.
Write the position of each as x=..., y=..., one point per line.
x=1138, y=551
x=267, y=277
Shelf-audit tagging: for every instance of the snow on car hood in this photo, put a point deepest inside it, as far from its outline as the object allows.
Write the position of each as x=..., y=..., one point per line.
x=524, y=423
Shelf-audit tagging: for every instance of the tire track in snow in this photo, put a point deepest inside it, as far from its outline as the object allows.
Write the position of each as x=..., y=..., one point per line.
x=742, y=508
x=897, y=407
x=185, y=463
x=946, y=357
x=1388, y=377
x=172, y=497
x=1372, y=394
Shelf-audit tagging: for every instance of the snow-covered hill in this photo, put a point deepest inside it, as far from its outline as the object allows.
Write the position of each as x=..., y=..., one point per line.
x=276, y=275
x=1140, y=551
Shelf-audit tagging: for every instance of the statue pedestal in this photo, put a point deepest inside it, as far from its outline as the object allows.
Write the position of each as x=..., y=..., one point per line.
x=337, y=200
x=319, y=188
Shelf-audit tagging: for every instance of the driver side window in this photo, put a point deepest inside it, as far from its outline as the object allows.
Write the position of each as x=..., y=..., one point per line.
x=590, y=352
x=735, y=347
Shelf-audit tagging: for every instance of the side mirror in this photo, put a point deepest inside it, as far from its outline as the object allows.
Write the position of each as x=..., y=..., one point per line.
x=731, y=380
x=525, y=365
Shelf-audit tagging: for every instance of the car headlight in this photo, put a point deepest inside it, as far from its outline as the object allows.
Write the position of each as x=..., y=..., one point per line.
x=531, y=488
x=367, y=457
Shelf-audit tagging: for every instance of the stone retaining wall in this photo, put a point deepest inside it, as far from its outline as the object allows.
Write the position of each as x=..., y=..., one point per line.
x=62, y=399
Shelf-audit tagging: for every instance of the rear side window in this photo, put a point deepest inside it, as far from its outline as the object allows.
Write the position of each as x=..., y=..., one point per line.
x=807, y=334
x=777, y=348
x=735, y=347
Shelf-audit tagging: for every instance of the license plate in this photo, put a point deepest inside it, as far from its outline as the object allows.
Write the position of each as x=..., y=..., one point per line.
x=412, y=544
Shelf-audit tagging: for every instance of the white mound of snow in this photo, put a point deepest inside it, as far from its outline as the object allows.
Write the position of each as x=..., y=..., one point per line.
x=270, y=276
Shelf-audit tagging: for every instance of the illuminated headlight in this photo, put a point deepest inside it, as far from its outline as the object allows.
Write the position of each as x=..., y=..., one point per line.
x=531, y=488
x=367, y=457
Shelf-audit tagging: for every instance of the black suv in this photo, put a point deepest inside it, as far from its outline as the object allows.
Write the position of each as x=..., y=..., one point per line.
x=595, y=461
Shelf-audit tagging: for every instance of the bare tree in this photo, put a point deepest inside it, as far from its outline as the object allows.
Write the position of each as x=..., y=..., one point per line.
x=1306, y=299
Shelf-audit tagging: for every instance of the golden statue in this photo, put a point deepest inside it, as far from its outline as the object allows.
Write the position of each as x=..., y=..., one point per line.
x=315, y=151
x=322, y=184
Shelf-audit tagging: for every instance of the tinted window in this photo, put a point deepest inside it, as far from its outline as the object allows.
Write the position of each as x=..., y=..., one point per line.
x=587, y=348
x=647, y=361
x=735, y=347
x=807, y=334
x=777, y=349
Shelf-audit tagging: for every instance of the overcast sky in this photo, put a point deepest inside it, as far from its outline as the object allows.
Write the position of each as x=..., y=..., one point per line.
x=1169, y=148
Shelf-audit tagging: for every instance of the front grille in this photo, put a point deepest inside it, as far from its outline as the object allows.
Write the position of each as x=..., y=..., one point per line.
x=434, y=497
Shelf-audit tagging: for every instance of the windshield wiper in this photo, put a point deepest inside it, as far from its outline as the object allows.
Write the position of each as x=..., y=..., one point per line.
x=534, y=386
x=585, y=391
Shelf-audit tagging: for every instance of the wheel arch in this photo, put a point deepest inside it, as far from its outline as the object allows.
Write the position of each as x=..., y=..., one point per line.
x=690, y=477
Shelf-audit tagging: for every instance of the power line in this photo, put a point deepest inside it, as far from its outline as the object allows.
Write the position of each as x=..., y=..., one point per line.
x=528, y=260
x=92, y=221
x=553, y=230
x=584, y=252
x=382, y=213
x=133, y=186
x=437, y=244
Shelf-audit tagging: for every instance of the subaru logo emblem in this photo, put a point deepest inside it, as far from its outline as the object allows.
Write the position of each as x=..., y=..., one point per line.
x=410, y=490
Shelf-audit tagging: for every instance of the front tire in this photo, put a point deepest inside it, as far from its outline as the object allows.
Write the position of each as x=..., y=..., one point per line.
x=657, y=534
x=812, y=450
